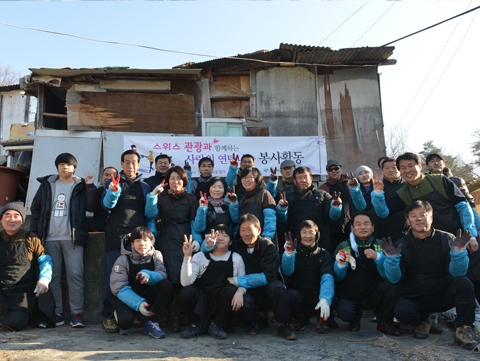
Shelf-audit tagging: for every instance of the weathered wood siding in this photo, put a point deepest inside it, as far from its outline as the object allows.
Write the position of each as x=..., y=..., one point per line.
x=136, y=112
x=351, y=116
x=286, y=99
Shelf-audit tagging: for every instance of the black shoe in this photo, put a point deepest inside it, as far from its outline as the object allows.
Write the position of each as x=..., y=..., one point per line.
x=297, y=325
x=192, y=331
x=254, y=329
x=354, y=326
x=321, y=327
x=217, y=332
x=286, y=332
x=331, y=323
x=387, y=328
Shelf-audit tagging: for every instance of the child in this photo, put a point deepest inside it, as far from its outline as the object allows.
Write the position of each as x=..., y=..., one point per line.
x=207, y=296
x=138, y=280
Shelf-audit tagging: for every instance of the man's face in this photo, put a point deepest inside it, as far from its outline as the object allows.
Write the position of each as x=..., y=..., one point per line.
x=247, y=162
x=130, y=165
x=308, y=236
x=107, y=174
x=287, y=173
x=390, y=171
x=11, y=221
x=334, y=171
x=162, y=165
x=420, y=220
x=303, y=181
x=435, y=165
x=206, y=169
x=410, y=171
x=249, y=233
x=362, y=227
x=65, y=171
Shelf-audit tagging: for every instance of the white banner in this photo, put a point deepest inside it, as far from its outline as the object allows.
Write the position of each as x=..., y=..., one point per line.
x=268, y=152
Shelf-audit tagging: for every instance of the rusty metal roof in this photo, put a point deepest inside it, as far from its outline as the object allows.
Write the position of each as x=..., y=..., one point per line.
x=307, y=55
x=7, y=88
x=68, y=72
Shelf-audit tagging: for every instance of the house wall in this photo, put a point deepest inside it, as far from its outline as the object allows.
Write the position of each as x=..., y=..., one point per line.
x=15, y=108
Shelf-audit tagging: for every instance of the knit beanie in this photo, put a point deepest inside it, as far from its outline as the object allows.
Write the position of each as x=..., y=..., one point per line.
x=16, y=206
x=361, y=169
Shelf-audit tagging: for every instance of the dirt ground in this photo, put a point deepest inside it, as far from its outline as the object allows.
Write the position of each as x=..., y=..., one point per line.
x=92, y=343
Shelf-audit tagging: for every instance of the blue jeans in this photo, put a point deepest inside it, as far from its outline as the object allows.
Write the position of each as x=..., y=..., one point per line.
x=110, y=259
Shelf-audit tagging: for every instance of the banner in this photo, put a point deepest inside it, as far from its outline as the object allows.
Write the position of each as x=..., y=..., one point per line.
x=269, y=152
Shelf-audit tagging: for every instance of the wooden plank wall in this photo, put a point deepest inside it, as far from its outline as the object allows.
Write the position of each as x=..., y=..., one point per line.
x=134, y=112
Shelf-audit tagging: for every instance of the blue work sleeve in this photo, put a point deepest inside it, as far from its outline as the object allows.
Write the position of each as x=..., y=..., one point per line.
x=379, y=204
x=340, y=272
x=379, y=264
x=231, y=175
x=272, y=187
x=327, y=287
x=130, y=298
x=269, y=223
x=253, y=280
x=207, y=249
x=282, y=213
x=200, y=221
x=45, y=267
x=189, y=177
x=288, y=264
x=196, y=236
x=234, y=214
x=151, y=209
x=459, y=262
x=335, y=212
x=152, y=226
x=154, y=277
x=111, y=198
x=357, y=198
x=391, y=265
x=466, y=217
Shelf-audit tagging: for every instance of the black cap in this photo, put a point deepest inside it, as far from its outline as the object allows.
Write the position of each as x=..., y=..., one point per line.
x=430, y=156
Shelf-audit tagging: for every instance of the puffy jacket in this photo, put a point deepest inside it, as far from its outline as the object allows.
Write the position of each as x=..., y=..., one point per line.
x=42, y=209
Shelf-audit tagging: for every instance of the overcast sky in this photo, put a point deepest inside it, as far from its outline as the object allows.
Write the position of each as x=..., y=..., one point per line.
x=432, y=90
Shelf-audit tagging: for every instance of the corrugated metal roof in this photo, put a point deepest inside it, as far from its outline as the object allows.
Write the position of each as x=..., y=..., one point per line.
x=7, y=88
x=304, y=54
x=68, y=72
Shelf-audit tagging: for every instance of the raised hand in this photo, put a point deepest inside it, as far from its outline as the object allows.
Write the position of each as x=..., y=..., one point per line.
x=88, y=178
x=459, y=243
x=143, y=309
x=203, y=201
x=187, y=247
x=388, y=247
x=273, y=175
x=113, y=186
x=378, y=182
x=143, y=277
x=283, y=203
x=352, y=181
x=187, y=166
x=159, y=189
x=337, y=201
x=232, y=197
x=234, y=160
x=290, y=245
x=211, y=238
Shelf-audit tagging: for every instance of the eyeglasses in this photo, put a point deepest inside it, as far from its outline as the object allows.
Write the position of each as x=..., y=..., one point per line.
x=333, y=169
x=248, y=177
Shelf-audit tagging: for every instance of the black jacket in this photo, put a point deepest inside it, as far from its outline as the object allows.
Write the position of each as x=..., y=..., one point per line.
x=42, y=208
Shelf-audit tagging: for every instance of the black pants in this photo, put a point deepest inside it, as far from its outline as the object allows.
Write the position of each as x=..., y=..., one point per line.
x=158, y=297
x=273, y=297
x=381, y=300
x=302, y=305
x=459, y=293
x=476, y=286
x=15, y=320
x=189, y=296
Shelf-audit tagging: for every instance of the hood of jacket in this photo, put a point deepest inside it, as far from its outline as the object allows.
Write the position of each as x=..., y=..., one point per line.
x=127, y=249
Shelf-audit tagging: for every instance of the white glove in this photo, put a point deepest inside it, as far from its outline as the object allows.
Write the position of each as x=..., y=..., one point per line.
x=195, y=246
x=143, y=309
x=158, y=189
x=324, y=307
x=41, y=287
x=144, y=277
x=342, y=258
x=233, y=281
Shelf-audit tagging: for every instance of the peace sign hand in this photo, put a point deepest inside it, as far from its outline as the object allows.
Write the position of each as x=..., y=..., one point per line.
x=378, y=182
x=203, y=201
x=336, y=201
x=283, y=203
x=187, y=247
x=352, y=181
x=211, y=238
x=273, y=176
x=232, y=197
x=234, y=161
x=114, y=184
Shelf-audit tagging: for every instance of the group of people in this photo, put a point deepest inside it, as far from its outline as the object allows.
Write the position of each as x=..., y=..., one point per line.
x=401, y=243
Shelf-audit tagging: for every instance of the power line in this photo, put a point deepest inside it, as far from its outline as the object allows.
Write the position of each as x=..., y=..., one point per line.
x=343, y=23
x=381, y=16
x=432, y=26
